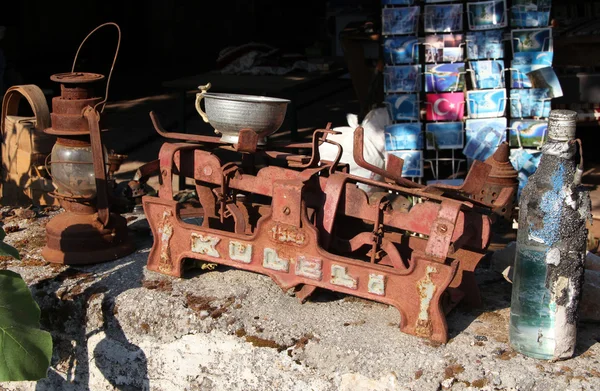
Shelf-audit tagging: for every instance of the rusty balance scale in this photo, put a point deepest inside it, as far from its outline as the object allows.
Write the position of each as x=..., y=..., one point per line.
x=304, y=222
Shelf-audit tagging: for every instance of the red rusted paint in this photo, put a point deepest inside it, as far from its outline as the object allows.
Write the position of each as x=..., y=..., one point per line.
x=314, y=223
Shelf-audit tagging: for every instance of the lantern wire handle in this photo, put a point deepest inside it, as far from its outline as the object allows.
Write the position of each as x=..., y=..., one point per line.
x=103, y=102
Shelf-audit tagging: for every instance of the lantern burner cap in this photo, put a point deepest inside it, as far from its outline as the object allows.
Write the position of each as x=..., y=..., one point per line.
x=76, y=77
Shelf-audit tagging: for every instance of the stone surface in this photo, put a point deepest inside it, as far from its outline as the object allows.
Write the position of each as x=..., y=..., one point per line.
x=118, y=326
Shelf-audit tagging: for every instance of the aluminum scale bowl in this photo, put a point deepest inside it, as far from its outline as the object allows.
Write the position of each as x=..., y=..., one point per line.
x=229, y=113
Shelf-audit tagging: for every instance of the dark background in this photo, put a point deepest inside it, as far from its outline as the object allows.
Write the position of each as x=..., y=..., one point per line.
x=161, y=39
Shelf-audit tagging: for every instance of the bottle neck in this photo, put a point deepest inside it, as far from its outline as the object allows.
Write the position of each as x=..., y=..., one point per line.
x=562, y=149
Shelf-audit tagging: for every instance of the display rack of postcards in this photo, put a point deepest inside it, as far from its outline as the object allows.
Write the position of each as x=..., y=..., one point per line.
x=486, y=97
x=530, y=91
x=444, y=84
x=402, y=84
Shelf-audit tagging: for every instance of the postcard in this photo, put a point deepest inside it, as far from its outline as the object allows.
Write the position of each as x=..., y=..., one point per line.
x=525, y=161
x=443, y=18
x=397, y=2
x=543, y=59
x=482, y=45
x=444, y=77
x=451, y=182
x=546, y=78
x=400, y=20
x=522, y=17
x=518, y=76
x=527, y=132
x=529, y=102
x=403, y=107
x=487, y=15
x=402, y=78
x=448, y=106
x=407, y=135
x=444, y=48
x=486, y=103
x=437, y=1
x=413, y=162
x=533, y=5
x=483, y=137
x=487, y=73
x=401, y=50
x=444, y=135
x=532, y=40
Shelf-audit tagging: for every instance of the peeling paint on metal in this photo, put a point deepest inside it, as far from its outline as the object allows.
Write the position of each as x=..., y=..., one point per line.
x=272, y=261
x=376, y=284
x=309, y=268
x=553, y=256
x=426, y=288
x=165, y=232
x=288, y=234
x=340, y=276
x=205, y=245
x=241, y=252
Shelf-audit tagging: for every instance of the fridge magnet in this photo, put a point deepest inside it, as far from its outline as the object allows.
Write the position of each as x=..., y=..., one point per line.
x=487, y=73
x=532, y=40
x=448, y=106
x=402, y=136
x=401, y=50
x=527, y=132
x=444, y=77
x=486, y=103
x=530, y=102
x=444, y=135
x=487, y=15
x=443, y=48
x=413, y=162
x=483, y=136
x=402, y=78
x=403, y=107
x=443, y=18
x=482, y=45
x=400, y=20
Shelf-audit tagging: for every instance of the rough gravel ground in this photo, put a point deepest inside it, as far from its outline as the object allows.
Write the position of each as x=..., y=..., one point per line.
x=118, y=326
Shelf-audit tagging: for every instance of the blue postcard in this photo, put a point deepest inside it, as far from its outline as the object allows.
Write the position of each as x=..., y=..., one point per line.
x=518, y=76
x=532, y=40
x=402, y=78
x=529, y=102
x=403, y=107
x=522, y=17
x=397, y=2
x=443, y=18
x=413, y=162
x=483, y=137
x=400, y=20
x=527, y=132
x=486, y=103
x=525, y=161
x=444, y=77
x=534, y=5
x=487, y=15
x=401, y=50
x=487, y=73
x=407, y=135
x=444, y=135
x=543, y=59
x=546, y=78
x=482, y=45
x=444, y=48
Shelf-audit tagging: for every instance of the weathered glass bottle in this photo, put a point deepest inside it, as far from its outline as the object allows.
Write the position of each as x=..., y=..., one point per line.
x=551, y=248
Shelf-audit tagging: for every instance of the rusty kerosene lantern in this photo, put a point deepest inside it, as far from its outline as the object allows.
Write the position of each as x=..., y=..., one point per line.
x=87, y=232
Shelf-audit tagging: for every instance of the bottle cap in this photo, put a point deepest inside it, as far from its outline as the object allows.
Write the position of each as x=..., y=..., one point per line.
x=562, y=125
